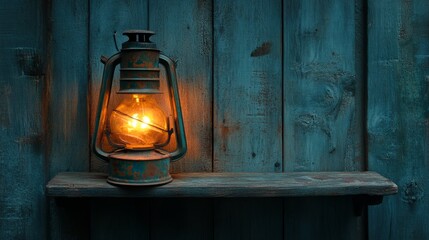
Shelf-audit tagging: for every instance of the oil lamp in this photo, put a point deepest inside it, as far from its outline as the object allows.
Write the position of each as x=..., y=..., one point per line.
x=133, y=135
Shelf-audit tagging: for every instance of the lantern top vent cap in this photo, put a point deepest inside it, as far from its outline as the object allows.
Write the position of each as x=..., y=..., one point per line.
x=138, y=39
x=138, y=35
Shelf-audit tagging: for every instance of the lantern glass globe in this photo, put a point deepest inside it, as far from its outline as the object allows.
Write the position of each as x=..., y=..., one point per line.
x=138, y=123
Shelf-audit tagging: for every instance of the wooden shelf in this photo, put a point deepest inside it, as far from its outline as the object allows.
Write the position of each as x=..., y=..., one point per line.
x=212, y=185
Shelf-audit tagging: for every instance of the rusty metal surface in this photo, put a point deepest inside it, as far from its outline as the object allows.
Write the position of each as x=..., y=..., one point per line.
x=140, y=170
x=139, y=64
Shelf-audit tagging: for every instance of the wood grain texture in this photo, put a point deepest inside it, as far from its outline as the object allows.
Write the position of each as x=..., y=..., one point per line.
x=108, y=16
x=398, y=78
x=323, y=92
x=247, y=86
x=68, y=87
x=184, y=32
x=67, y=124
x=22, y=85
x=247, y=110
x=83, y=184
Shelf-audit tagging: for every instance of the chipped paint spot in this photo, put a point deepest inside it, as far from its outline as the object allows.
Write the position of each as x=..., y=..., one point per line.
x=5, y=118
x=225, y=132
x=34, y=140
x=262, y=50
x=277, y=167
x=29, y=61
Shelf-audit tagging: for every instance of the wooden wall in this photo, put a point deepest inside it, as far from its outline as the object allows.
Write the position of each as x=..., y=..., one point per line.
x=23, y=120
x=266, y=86
x=397, y=118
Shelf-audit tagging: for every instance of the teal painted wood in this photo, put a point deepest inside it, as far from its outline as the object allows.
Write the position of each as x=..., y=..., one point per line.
x=183, y=31
x=398, y=74
x=22, y=127
x=68, y=87
x=106, y=17
x=323, y=92
x=67, y=116
x=247, y=86
x=247, y=121
x=323, y=87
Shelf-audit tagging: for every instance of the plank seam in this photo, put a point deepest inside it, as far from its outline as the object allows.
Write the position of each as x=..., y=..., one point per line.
x=45, y=113
x=364, y=73
x=89, y=88
x=283, y=85
x=365, y=83
x=212, y=82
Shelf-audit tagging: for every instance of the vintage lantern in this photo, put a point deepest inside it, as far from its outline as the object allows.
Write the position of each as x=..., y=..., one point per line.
x=132, y=135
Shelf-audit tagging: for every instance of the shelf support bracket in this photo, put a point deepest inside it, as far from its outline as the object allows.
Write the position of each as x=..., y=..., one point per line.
x=360, y=202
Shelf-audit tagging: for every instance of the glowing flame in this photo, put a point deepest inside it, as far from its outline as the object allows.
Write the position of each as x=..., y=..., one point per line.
x=138, y=123
x=135, y=120
x=145, y=122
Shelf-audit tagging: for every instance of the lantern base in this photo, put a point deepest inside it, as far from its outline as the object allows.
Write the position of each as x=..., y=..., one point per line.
x=147, y=168
x=121, y=182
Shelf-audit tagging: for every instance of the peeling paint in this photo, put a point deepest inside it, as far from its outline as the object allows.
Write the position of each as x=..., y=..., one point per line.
x=225, y=135
x=262, y=50
x=29, y=61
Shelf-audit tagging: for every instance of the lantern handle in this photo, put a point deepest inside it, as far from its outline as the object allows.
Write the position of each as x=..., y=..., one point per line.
x=170, y=69
x=103, y=102
x=114, y=40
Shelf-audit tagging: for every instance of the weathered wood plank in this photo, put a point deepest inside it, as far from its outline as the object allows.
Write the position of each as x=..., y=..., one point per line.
x=75, y=184
x=397, y=118
x=322, y=88
x=247, y=86
x=68, y=88
x=106, y=17
x=68, y=143
x=247, y=108
x=22, y=85
x=184, y=32
x=323, y=93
